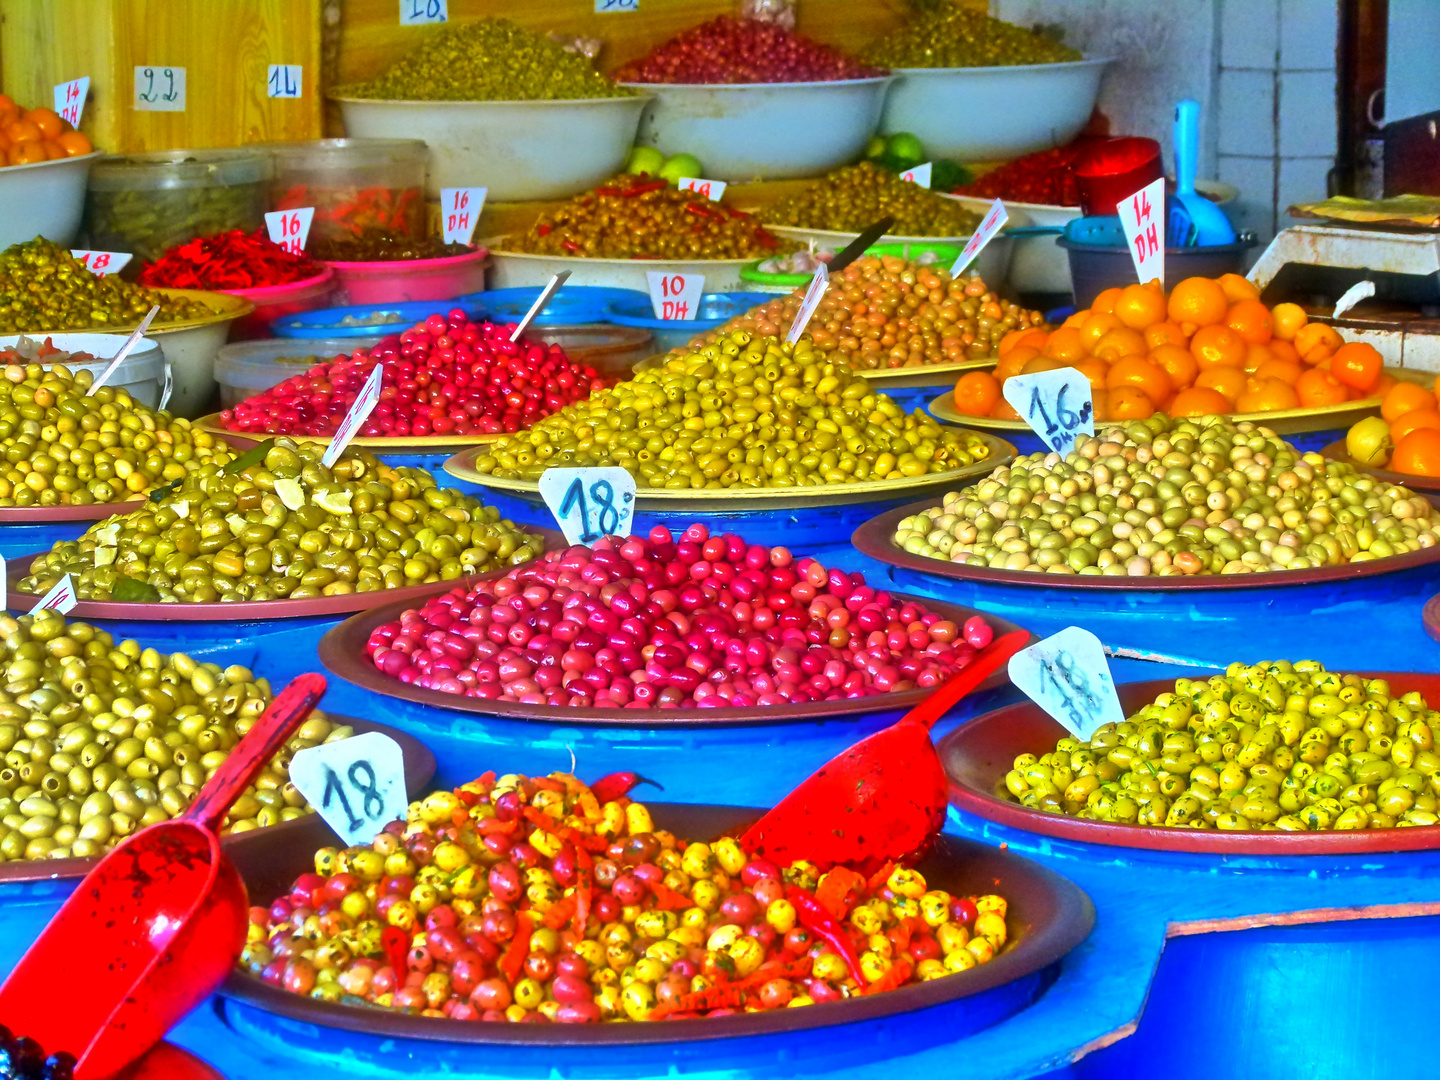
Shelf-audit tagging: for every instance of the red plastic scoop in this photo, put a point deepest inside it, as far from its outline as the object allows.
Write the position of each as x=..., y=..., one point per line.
x=154, y=928
x=884, y=798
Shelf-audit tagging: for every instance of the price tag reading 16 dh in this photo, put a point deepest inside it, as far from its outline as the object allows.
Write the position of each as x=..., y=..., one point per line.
x=590, y=503
x=1067, y=676
x=1056, y=404
x=356, y=784
x=290, y=228
x=459, y=212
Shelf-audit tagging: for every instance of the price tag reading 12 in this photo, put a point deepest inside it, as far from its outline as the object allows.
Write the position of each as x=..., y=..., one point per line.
x=290, y=228
x=675, y=296
x=1056, y=404
x=357, y=784
x=1141, y=216
x=460, y=210
x=1067, y=676
x=590, y=503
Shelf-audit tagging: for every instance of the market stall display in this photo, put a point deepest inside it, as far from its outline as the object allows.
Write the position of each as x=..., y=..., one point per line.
x=356, y=186
x=141, y=374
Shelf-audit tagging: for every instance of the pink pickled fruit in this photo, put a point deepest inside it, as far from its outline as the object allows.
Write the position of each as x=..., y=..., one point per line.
x=741, y=907
x=978, y=632
x=569, y=990
x=581, y=1012
x=572, y=964
x=758, y=870
x=628, y=890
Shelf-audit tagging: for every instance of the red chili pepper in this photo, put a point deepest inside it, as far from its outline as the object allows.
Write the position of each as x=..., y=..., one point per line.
x=642, y=189
x=668, y=898
x=898, y=975
x=697, y=209
x=231, y=260
x=544, y=783
x=569, y=245
x=519, y=948
x=543, y=229
x=880, y=876
x=584, y=890
x=491, y=826
x=818, y=921
x=618, y=784
x=719, y=996
x=395, y=942
x=560, y=912
x=835, y=889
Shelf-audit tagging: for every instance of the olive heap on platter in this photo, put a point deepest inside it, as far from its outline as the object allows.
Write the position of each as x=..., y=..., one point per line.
x=647, y=623
x=1274, y=746
x=855, y=197
x=284, y=525
x=1173, y=497
x=61, y=447
x=950, y=36
x=745, y=411
x=542, y=899
x=102, y=737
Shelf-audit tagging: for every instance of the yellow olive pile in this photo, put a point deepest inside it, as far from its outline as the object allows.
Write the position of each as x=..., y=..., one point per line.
x=103, y=738
x=857, y=196
x=744, y=411
x=1273, y=746
x=952, y=36
x=284, y=525
x=62, y=448
x=1167, y=497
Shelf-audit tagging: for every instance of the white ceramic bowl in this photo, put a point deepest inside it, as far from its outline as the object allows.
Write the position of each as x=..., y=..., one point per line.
x=991, y=264
x=45, y=199
x=513, y=269
x=763, y=131
x=993, y=113
x=142, y=373
x=519, y=150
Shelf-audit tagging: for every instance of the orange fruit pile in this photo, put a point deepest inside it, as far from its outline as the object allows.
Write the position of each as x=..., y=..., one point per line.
x=1405, y=437
x=1208, y=347
x=31, y=135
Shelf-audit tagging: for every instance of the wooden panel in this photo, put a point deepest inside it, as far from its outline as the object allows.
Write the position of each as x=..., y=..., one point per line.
x=225, y=46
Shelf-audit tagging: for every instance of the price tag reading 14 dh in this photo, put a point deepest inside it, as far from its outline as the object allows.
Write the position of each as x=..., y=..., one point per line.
x=70, y=99
x=356, y=784
x=1142, y=216
x=590, y=503
x=1067, y=676
x=1056, y=404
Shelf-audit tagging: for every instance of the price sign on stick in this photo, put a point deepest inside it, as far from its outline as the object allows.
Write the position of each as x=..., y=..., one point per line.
x=61, y=597
x=70, y=100
x=675, y=296
x=420, y=12
x=1067, y=676
x=993, y=221
x=290, y=228
x=920, y=174
x=102, y=263
x=125, y=350
x=710, y=189
x=357, y=784
x=460, y=211
x=813, y=295
x=356, y=417
x=590, y=503
x=1056, y=404
x=1141, y=217
x=540, y=302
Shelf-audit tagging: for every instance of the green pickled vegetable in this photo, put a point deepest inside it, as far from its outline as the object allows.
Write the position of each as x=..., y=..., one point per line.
x=855, y=197
x=959, y=37
x=149, y=221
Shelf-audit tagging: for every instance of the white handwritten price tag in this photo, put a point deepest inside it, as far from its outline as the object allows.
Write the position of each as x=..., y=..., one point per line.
x=460, y=211
x=920, y=174
x=70, y=99
x=1067, y=676
x=290, y=228
x=993, y=221
x=356, y=417
x=709, y=189
x=1056, y=404
x=1361, y=290
x=357, y=784
x=61, y=597
x=1141, y=217
x=284, y=81
x=603, y=6
x=675, y=296
x=420, y=12
x=160, y=89
x=102, y=262
x=590, y=503
x=813, y=295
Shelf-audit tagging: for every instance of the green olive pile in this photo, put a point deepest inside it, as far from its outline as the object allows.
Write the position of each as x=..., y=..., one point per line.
x=45, y=288
x=952, y=36
x=286, y=526
x=1166, y=497
x=744, y=412
x=1274, y=746
x=855, y=197
x=638, y=216
x=488, y=60
x=103, y=738
x=61, y=448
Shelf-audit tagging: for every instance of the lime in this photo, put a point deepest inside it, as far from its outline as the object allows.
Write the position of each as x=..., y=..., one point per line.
x=290, y=492
x=645, y=159
x=682, y=165
x=902, y=146
x=875, y=147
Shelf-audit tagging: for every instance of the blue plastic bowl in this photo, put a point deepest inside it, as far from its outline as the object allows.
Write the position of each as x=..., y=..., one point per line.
x=716, y=309
x=573, y=305
x=325, y=323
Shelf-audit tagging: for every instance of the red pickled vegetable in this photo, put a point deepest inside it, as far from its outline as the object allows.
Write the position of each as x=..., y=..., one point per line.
x=820, y=922
x=229, y=260
x=731, y=50
x=616, y=785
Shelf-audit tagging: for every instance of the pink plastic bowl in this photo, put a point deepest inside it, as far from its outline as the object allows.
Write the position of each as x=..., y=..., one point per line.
x=410, y=279
x=276, y=301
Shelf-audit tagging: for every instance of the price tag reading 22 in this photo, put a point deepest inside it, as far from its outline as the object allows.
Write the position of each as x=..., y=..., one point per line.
x=357, y=784
x=1067, y=676
x=590, y=503
x=1056, y=404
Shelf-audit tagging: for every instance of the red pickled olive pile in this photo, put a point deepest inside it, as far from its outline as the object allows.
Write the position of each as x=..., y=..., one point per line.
x=645, y=623
x=444, y=376
x=731, y=50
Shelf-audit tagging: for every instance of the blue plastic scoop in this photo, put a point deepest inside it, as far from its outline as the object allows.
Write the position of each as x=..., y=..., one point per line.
x=1194, y=221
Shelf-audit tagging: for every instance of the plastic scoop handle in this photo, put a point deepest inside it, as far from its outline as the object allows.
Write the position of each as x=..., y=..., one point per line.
x=997, y=653
x=286, y=713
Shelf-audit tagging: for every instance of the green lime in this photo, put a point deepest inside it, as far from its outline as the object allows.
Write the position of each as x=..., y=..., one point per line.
x=902, y=146
x=875, y=147
x=645, y=159
x=682, y=165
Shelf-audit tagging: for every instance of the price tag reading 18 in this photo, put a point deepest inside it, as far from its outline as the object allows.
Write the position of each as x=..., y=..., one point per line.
x=920, y=174
x=1056, y=404
x=713, y=190
x=357, y=784
x=1067, y=676
x=675, y=296
x=290, y=228
x=102, y=263
x=590, y=503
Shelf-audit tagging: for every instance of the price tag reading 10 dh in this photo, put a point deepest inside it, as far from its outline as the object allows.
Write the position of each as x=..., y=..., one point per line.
x=356, y=784
x=590, y=503
x=1056, y=404
x=1067, y=676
